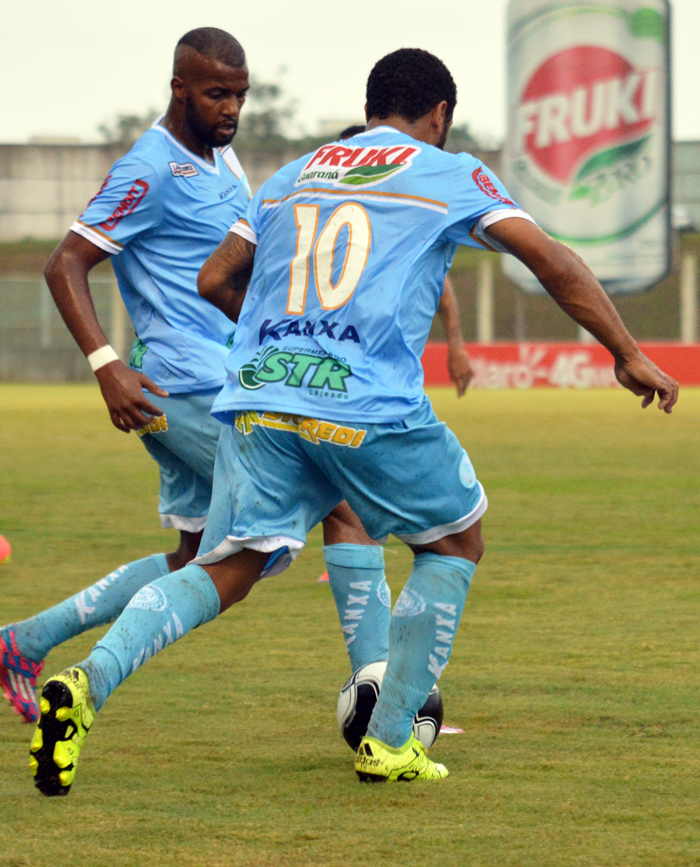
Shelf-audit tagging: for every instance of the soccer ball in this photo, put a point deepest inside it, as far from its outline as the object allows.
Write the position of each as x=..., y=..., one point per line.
x=359, y=696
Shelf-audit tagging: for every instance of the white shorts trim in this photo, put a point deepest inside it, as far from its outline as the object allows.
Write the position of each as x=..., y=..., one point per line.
x=265, y=544
x=178, y=522
x=443, y=530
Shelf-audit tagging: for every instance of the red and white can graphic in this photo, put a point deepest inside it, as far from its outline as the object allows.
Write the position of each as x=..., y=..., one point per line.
x=587, y=151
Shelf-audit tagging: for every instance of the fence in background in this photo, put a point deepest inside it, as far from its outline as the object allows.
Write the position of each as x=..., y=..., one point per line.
x=35, y=345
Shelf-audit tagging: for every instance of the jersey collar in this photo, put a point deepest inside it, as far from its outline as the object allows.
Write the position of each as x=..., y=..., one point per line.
x=376, y=129
x=214, y=169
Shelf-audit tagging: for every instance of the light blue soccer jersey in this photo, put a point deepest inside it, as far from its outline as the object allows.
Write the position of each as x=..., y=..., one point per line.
x=161, y=212
x=353, y=245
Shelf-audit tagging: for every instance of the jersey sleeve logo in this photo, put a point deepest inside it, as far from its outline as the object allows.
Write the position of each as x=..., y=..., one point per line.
x=486, y=185
x=128, y=204
x=183, y=170
x=101, y=190
x=356, y=167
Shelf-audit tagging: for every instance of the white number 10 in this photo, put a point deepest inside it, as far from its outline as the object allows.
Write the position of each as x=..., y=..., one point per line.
x=330, y=295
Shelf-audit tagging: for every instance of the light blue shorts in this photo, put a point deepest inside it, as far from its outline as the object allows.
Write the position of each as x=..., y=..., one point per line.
x=183, y=441
x=278, y=475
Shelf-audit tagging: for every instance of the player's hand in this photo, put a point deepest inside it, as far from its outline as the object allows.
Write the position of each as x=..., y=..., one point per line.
x=642, y=377
x=459, y=367
x=121, y=389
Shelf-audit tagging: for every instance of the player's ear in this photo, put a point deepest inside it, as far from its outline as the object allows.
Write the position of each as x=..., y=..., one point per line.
x=366, y=115
x=178, y=88
x=439, y=115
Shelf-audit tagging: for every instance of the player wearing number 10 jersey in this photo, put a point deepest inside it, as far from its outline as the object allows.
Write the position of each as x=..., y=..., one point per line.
x=369, y=225
x=348, y=249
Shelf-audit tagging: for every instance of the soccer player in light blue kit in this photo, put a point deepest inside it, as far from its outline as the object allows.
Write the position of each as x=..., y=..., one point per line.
x=324, y=398
x=161, y=211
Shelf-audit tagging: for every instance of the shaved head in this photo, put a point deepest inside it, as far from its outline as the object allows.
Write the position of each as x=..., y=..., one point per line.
x=209, y=86
x=210, y=42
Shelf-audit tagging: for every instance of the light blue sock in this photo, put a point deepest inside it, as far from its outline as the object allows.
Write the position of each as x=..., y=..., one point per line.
x=363, y=600
x=102, y=603
x=423, y=624
x=158, y=615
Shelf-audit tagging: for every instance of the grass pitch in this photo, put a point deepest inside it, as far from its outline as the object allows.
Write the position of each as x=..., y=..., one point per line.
x=575, y=672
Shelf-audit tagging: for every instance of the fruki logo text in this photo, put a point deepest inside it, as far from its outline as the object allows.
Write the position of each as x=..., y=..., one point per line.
x=582, y=102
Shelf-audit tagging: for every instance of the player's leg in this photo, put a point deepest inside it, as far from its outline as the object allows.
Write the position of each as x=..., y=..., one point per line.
x=355, y=566
x=183, y=442
x=25, y=644
x=264, y=501
x=423, y=626
x=429, y=498
x=158, y=615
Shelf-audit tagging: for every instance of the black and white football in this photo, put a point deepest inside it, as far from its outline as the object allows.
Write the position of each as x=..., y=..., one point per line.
x=359, y=696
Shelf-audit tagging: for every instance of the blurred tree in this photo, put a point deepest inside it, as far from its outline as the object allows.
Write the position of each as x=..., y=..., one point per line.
x=268, y=113
x=265, y=120
x=126, y=128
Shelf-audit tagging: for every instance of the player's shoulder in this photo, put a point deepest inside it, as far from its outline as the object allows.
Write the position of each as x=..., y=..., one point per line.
x=147, y=156
x=284, y=179
x=448, y=161
x=233, y=165
x=228, y=155
x=158, y=152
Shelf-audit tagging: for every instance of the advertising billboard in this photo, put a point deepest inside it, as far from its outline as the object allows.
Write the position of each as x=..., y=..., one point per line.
x=588, y=143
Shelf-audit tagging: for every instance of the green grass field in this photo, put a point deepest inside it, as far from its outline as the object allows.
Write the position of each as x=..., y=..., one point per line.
x=575, y=672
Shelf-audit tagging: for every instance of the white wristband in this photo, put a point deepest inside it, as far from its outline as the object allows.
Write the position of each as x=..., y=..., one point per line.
x=100, y=357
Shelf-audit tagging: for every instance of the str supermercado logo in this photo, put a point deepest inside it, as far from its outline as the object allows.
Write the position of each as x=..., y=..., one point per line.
x=356, y=167
x=321, y=374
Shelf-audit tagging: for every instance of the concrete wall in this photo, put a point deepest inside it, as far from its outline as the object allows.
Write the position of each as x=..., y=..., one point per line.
x=686, y=178
x=43, y=188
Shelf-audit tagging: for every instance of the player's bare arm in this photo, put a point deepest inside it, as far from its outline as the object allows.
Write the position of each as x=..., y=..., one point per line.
x=458, y=363
x=575, y=289
x=223, y=279
x=67, y=278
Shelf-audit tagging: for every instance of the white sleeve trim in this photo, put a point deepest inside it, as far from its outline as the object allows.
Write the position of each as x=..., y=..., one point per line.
x=479, y=230
x=96, y=238
x=243, y=229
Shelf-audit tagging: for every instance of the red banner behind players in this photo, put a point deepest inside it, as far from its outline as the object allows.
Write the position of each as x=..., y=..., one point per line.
x=555, y=365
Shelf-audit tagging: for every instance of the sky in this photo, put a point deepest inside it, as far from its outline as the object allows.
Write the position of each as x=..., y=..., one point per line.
x=68, y=67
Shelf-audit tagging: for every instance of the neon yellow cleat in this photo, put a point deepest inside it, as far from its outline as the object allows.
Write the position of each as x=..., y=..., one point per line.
x=377, y=762
x=67, y=713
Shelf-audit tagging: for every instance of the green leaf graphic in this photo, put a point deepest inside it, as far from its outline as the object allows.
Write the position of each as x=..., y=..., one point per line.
x=647, y=23
x=368, y=174
x=609, y=157
x=247, y=375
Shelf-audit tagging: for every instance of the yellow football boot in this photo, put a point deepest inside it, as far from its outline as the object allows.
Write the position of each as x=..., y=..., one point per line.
x=67, y=713
x=377, y=762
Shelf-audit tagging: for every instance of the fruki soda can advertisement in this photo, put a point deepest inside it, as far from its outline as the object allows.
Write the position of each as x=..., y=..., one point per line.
x=588, y=143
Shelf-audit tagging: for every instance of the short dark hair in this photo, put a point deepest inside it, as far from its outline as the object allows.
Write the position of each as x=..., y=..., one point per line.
x=350, y=131
x=215, y=43
x=409, y=82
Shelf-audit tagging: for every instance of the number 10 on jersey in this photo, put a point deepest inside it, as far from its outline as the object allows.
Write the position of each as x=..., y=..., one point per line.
x=322, y=255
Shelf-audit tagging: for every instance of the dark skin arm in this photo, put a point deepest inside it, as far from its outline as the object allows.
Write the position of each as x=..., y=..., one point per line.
x=572, y=285
x=67, y=278
x=458, y=363
x=223, y=279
